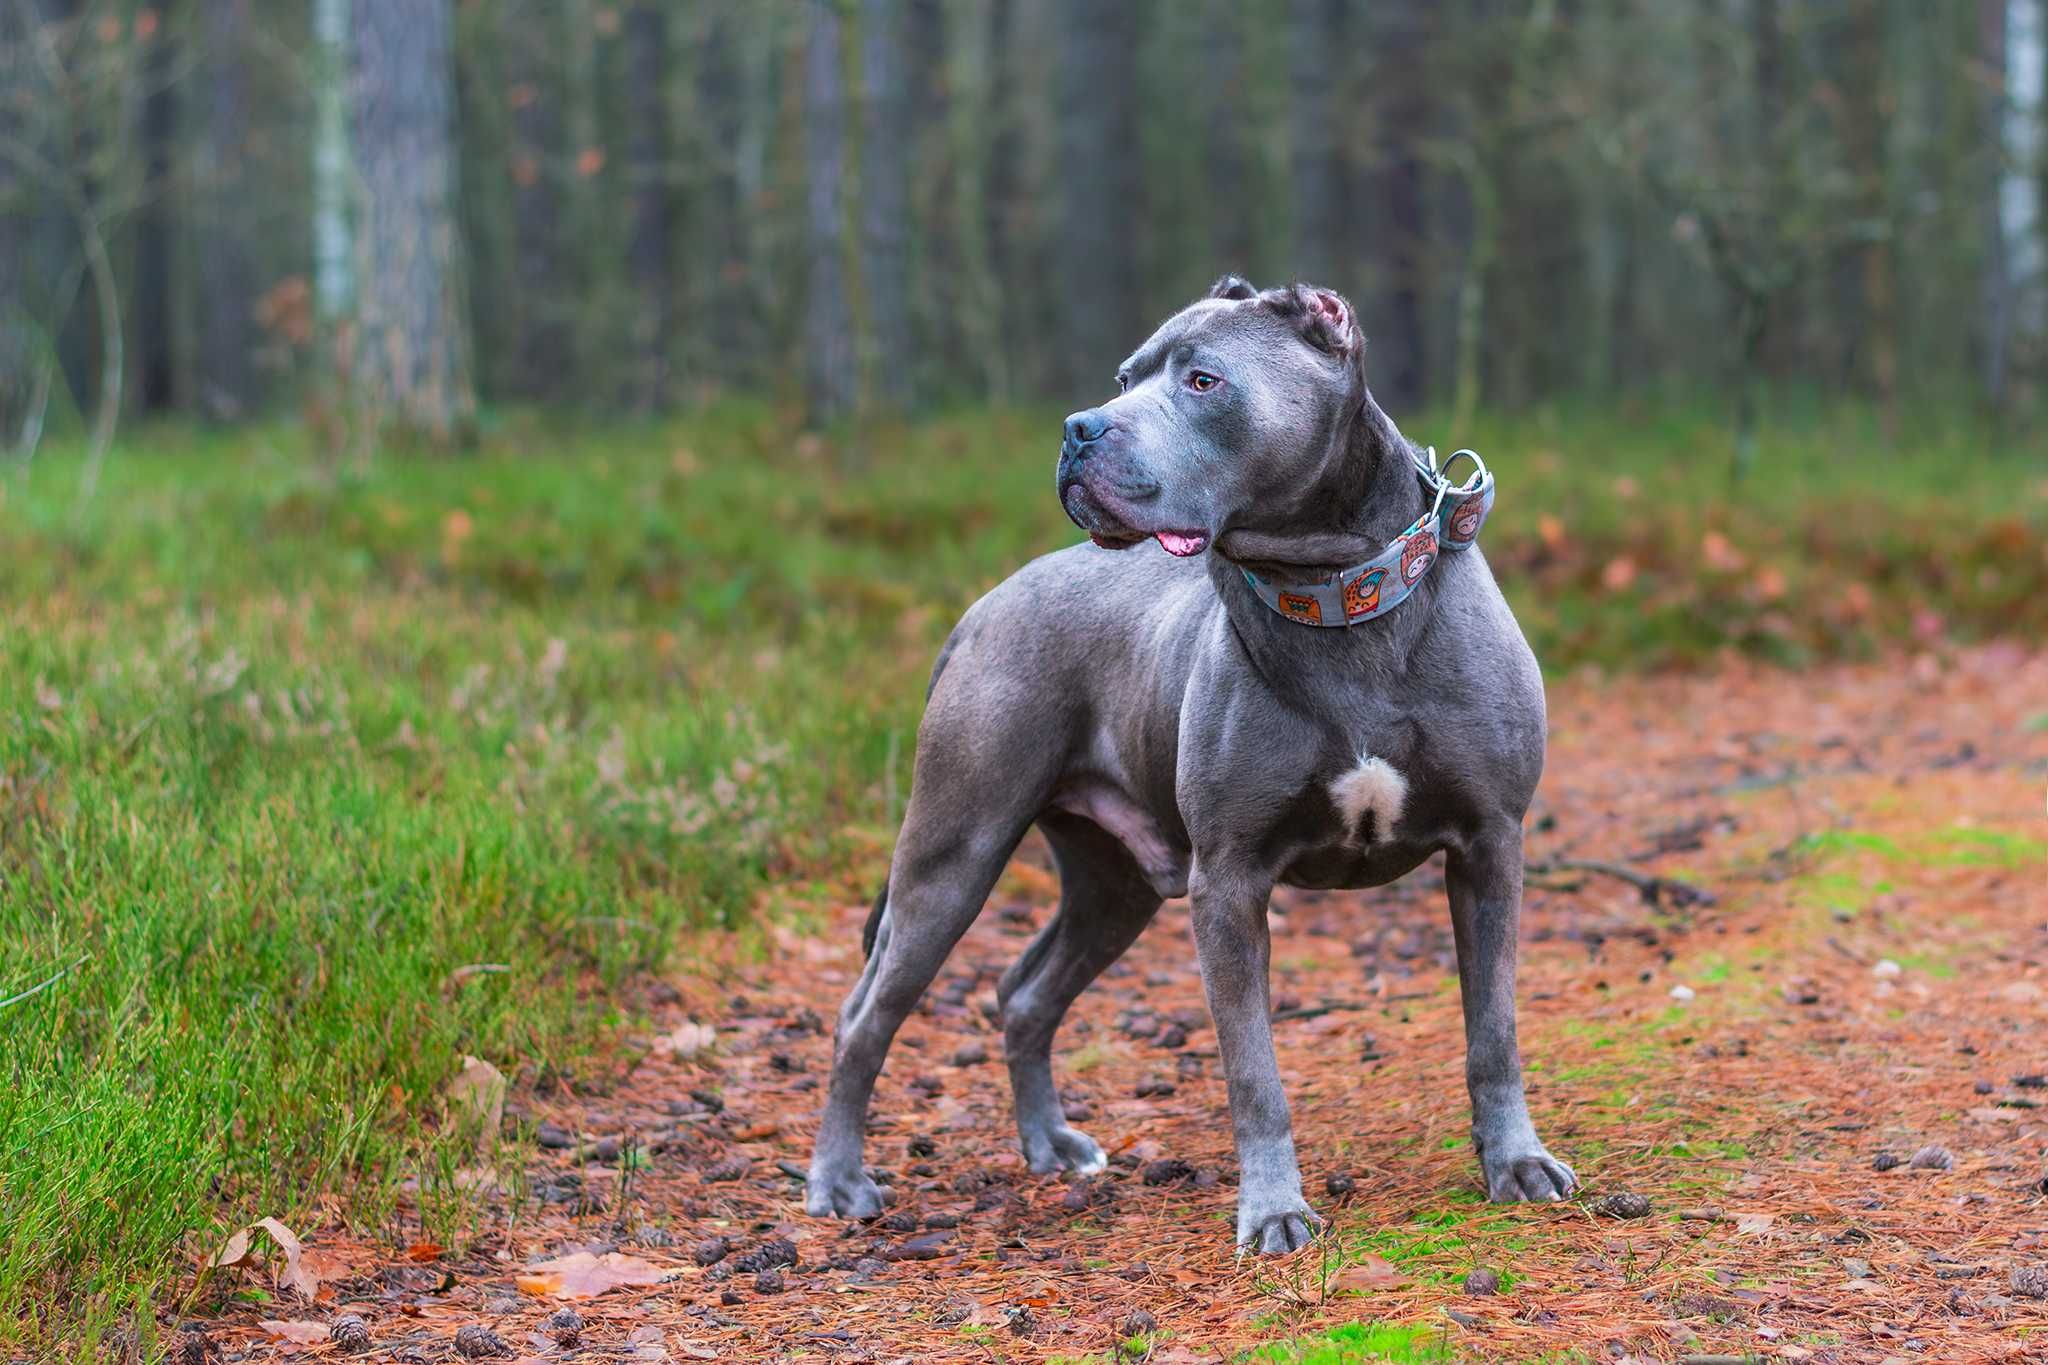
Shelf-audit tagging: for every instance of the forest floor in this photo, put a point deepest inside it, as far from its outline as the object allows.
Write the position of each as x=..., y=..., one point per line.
x=1825, y=1075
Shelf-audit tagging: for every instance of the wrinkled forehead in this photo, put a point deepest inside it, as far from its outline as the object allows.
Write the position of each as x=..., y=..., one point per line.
x=1222, y=329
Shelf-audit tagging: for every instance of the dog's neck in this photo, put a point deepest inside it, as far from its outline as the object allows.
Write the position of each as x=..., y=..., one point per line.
x=1367, y=496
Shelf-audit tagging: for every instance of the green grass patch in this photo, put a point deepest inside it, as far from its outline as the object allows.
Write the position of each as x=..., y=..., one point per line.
x=1352, y=1342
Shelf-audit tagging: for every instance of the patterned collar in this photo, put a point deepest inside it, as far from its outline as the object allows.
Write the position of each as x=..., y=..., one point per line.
x=1376, y=587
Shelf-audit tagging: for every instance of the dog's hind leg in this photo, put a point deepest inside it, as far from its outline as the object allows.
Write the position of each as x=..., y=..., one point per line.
x=1105, y=903
x=943, y=872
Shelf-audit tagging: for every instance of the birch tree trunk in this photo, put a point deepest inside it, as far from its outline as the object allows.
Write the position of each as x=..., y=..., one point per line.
x=2019, y=190
x=412, y=358
x=333, y=250
x=828, y=321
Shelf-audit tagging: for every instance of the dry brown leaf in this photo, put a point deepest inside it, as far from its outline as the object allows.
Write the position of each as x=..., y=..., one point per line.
x=424, y=1251
x=240, y=1251
x=1753, y=1223
x=304, y=1333
x=688, y=1040
x=1367, y=1273
x=478, y=1091
x=584, y=1276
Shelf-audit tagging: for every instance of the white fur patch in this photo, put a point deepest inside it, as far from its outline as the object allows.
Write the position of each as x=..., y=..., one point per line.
x=1374, y=788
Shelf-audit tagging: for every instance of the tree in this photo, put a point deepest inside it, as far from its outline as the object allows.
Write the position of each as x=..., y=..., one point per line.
x=1316, y=170
x=1099, y=191
x=828, y=321
x=226, y=295
x=649, y=244
x=885, y=203
x=412, y=357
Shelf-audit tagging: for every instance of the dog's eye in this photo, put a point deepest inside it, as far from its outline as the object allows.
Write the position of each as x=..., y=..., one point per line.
x=1123, y=381
x=1201, y=381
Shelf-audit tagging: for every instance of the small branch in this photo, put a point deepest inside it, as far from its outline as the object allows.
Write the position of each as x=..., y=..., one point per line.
x=1654, y=890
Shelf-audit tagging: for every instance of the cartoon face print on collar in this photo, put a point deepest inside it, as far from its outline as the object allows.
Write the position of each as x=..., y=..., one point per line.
x=1418, y=552
x=1362, y=594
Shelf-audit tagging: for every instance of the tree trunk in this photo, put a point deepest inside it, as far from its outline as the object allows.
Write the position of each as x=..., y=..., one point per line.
x=1995, y=339
x=885, y=203
x=542, y=350
x=1099, y=193
x=412, y=366
x=2019, y=192
x=333, y=250
x=1315, y=165
x=226, y=285
x=151, y=316
x=828, y=325
x=648, y=250
x=1002, y=192
x=1402, y=383
x=1232, y=210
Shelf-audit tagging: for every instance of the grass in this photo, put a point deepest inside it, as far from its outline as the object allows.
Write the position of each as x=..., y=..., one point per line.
x=283, y=749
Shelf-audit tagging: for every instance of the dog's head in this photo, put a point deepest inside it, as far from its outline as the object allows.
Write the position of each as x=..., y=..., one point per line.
x=1237, y=421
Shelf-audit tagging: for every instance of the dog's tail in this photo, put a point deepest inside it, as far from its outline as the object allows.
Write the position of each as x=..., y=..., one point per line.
x=874, y=924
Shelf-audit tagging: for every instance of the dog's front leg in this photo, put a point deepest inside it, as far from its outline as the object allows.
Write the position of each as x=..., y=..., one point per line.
x=1485, y=884
x=1232, y=941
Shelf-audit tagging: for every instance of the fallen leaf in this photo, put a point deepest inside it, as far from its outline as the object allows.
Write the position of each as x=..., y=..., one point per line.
x=478, y=1092
x=688, y=1039
x=424, y=1251
x=240, y=1251
x=1368, y=1272
x=323, y=1265
x=304, y=1333
x=1754, y=1222
x=584, y=1276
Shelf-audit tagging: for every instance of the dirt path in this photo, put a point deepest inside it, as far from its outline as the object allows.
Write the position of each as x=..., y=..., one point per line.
x=1870, y=980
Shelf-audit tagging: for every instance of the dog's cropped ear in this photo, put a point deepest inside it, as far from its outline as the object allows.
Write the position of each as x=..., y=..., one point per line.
x=1322, y=316
x=1232, y=287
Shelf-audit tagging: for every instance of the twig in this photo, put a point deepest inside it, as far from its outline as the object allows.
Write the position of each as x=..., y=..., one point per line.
x=1654, y=890
x=1332, y=1006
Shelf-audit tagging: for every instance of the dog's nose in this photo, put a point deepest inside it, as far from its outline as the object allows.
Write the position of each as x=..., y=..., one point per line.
x=1084, y=428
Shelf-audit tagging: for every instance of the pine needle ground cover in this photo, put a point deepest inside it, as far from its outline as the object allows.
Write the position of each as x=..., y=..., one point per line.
x=314, y=782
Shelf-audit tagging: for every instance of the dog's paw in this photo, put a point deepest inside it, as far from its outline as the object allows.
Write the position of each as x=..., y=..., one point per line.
x=1276, y=1231
x=1063, y=1149
x=841, y=1196
x=1527, y=1176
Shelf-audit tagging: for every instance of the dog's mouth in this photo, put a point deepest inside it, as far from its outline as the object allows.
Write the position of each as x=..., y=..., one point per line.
x=1179, y=544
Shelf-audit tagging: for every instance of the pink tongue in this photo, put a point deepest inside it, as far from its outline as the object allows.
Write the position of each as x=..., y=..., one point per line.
x=1175, y=543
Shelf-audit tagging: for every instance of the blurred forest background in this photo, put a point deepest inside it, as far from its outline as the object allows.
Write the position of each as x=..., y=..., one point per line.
x=228, y=208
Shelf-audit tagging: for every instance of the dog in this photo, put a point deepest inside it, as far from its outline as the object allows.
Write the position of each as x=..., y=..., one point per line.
x=1174, y=729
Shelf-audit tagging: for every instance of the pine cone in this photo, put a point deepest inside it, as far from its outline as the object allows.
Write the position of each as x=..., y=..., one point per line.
x=193, y=1346
x=776, y=1251
x=2029, y=1281
x=1885, y=1161
x=1622, y=1204
x=565, y=1325
x=1932, y=1157
x=477, y=1342
x=350, y=1333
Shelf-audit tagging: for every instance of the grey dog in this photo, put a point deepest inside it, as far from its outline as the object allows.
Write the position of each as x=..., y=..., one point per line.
x=1172, y=735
